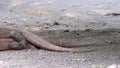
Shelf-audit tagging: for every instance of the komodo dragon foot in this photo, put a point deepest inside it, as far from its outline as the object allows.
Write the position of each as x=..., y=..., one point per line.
x=17, y=35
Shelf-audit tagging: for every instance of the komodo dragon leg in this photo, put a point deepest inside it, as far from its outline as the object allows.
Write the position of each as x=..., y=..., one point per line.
x=40, y=42
x=9, y=44
x=17, y=35
x=5, y=34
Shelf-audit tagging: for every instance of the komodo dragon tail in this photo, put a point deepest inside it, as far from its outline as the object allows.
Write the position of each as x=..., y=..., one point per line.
x=40, y=42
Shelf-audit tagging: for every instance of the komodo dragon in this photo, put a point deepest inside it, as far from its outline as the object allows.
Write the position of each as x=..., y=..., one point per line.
x=5, y=33
x=36, y=40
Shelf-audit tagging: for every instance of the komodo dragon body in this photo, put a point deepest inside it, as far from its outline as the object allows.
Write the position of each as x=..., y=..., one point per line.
x=20, y=35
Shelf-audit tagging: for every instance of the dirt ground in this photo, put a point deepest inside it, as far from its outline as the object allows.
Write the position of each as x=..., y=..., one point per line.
x=73, y=21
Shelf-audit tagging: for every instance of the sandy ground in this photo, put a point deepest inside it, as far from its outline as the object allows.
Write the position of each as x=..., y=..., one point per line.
x=72, y=19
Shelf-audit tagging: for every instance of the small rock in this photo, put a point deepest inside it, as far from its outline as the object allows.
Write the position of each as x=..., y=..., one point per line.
x=62, y=9
x=37, y=22
x=5, y=22
x=56, y=23
x=46, y=27
x=77, y=34
x=66, y=30
x=11, y=10
x=114, y=66
x=109, y=42
x=87, y=30
x=104, y=24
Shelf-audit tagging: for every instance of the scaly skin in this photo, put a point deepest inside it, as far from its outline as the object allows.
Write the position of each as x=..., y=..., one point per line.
x=36, y=40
